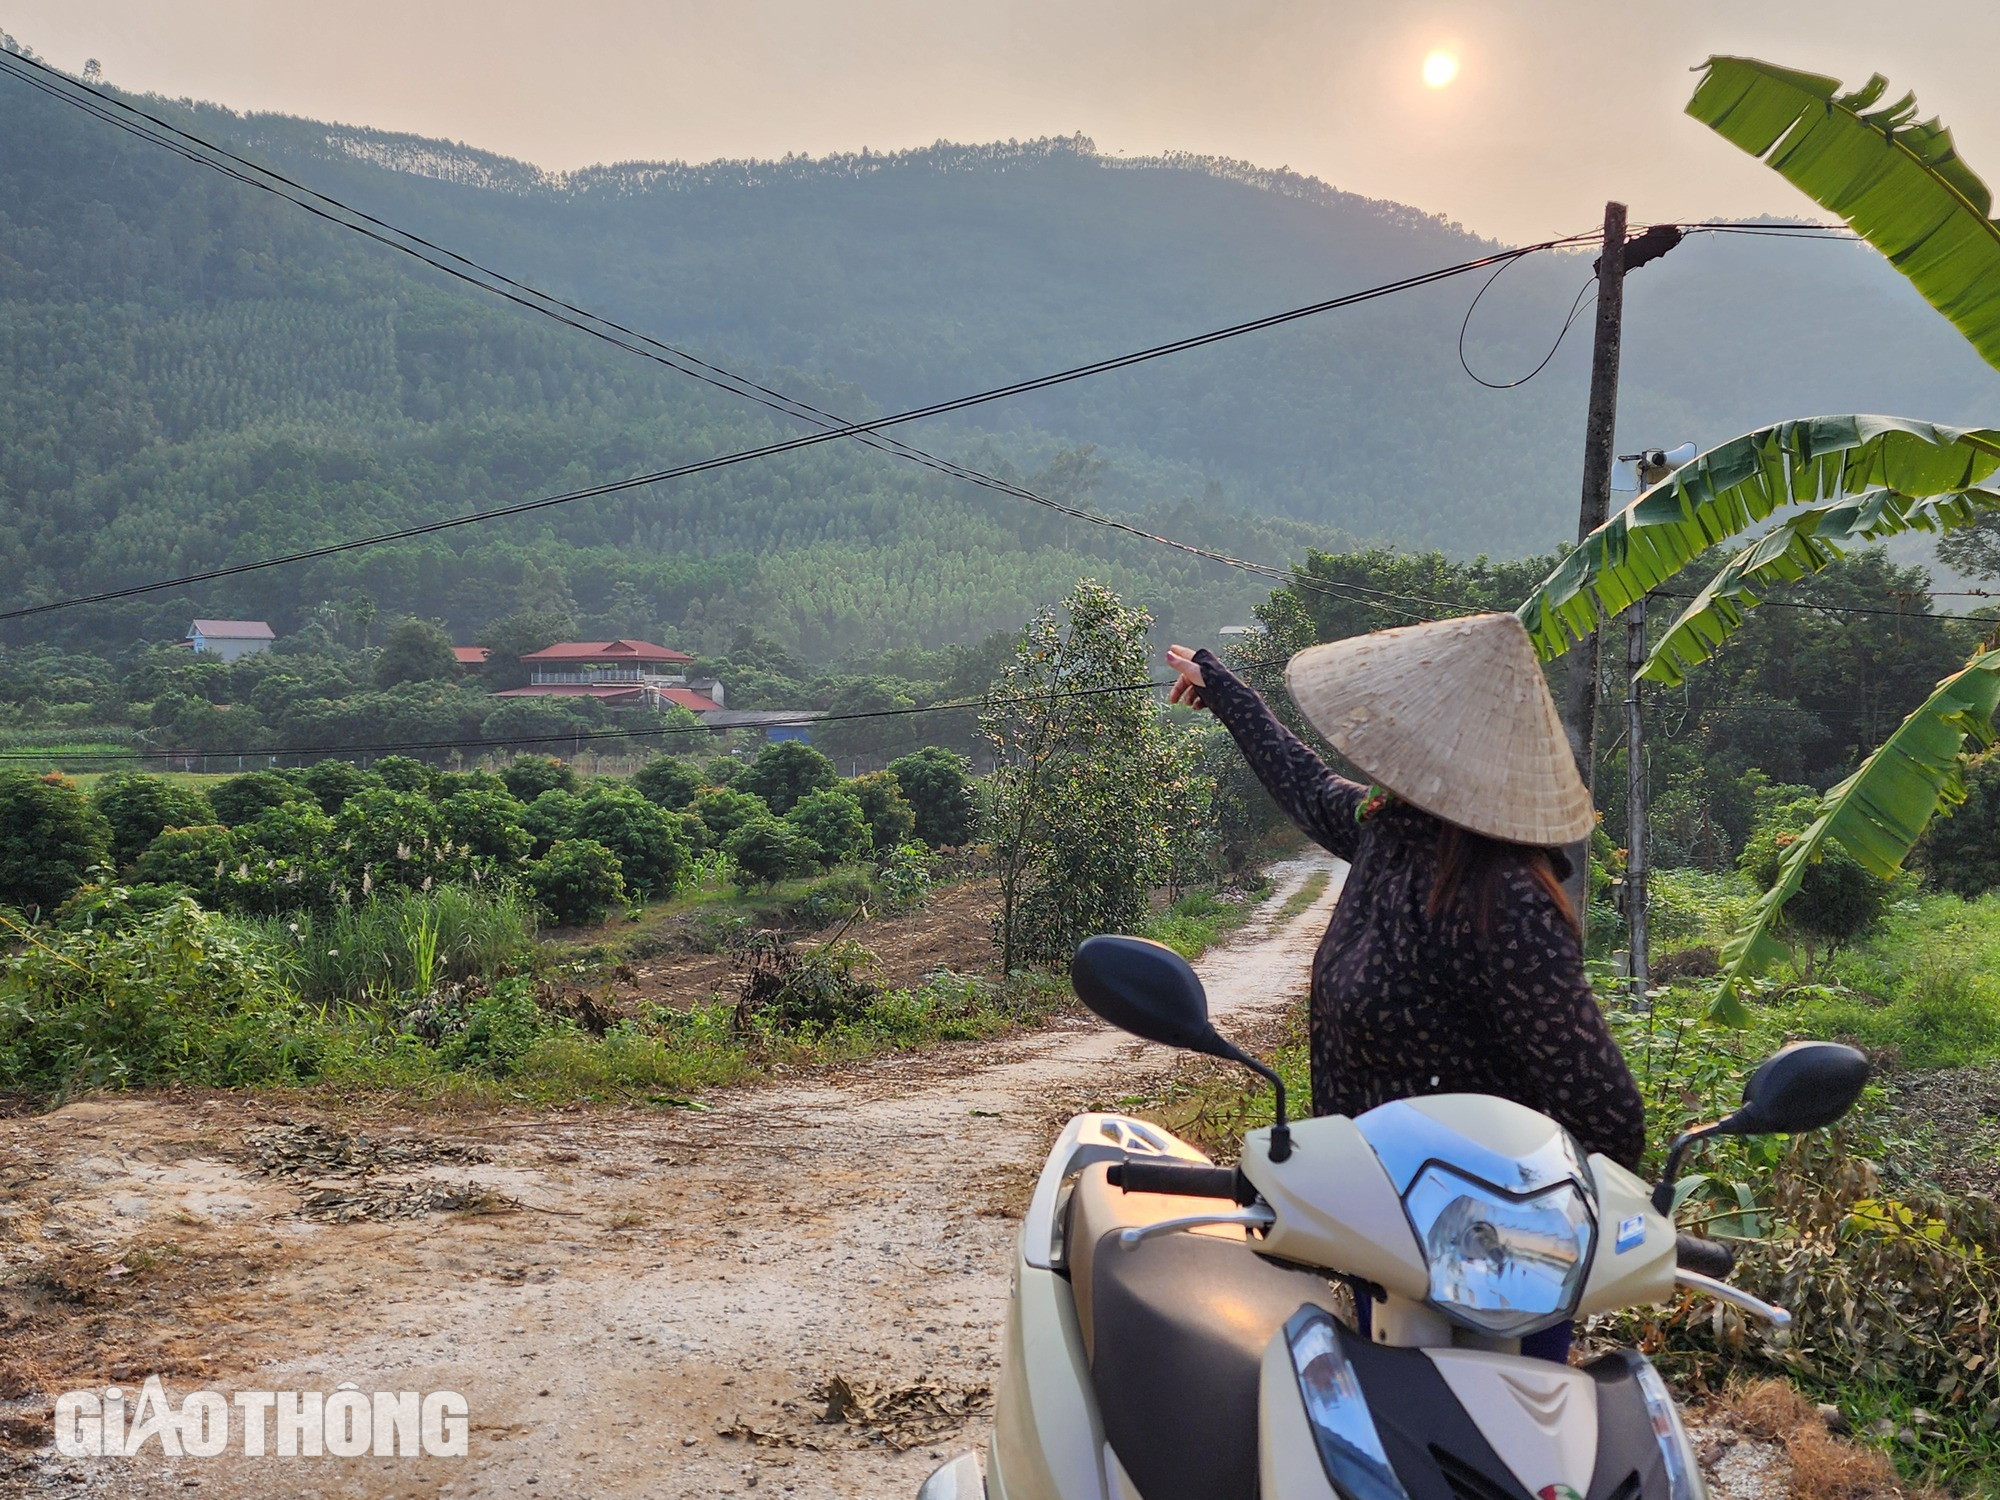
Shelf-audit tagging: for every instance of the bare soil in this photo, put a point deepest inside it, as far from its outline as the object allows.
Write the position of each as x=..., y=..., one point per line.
x=632, y=1302
x=955, y=933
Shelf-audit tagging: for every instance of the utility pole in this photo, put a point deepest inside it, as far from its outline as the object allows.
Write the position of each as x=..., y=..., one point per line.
x=1635, y=801
x=1580, y=695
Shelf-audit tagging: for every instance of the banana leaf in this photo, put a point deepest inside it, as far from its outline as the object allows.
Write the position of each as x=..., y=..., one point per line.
x=1877, y=814
x=1899, y=182
x=1801, y=544
x=1725, y=491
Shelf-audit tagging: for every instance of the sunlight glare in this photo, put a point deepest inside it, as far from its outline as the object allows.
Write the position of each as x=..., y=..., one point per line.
x=1439, y=69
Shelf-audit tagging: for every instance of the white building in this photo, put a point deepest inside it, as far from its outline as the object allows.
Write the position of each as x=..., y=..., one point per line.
x=229, y=639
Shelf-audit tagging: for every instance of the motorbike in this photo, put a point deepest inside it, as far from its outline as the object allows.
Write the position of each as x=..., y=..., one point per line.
x=1178, y=1330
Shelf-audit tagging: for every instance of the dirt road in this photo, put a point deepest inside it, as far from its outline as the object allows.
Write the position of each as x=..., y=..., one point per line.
x=667, y=1279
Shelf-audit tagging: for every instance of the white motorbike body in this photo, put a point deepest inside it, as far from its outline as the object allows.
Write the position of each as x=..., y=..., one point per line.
x=1170, y=1347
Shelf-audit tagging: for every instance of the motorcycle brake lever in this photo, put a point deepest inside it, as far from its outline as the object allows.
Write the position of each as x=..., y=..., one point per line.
x=1735, y=1296
x=1257, y=1216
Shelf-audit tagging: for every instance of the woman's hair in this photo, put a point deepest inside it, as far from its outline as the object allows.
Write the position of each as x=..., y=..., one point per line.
x=1474, y=865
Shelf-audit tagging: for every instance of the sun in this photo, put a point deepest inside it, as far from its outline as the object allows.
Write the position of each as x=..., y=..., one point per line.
x=1439, y=69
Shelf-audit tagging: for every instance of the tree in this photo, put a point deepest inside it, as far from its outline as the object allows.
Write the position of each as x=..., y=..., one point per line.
x=538, y=721
x=1075, y=821
x=784, y=772
x=528, y=776
x=1960, y=851
x=723, y=810
x=400, y=773
x=550, y=817
x=50, y=838
x=489, y=823
x=669, y=781
x=645, y=837
x=934, y=782
x=332, y=782
x=416, y=651
x=833, y=823
x=241, y=798
x=891, y=819
x=204, y=859
x=720, y=770
x=135, y=807
x=766, y=850
x=577, y=882
x=1837, y=900
x=513, y=636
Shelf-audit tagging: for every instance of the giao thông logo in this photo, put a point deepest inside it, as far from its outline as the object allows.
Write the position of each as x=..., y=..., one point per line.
x=346, y=1422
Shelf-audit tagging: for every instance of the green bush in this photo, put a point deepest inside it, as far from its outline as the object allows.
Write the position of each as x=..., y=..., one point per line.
x=645, y=837
x=723, y=810
x=766, y=850
x=176, y=994
x=203, y=860
x=720, y=770
x=495, y=1031
x=50, y=838
x=550, y=817
x=400, y=773
x=891, y=819
x=383, y=839
x=1960, y=850
x=577, y=882
x=833, y=823
x=934, y=782
x=241, y=798
x=784, y=772
x=489, y=823
x=1838, y=899
x=528, y=776
x=903, y=878
x=669, y=781
x=332, y=782
x=135, y=807
x=831, y=900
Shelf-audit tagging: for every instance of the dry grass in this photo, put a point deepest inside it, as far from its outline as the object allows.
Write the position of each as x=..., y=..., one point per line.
x=1824, y=1467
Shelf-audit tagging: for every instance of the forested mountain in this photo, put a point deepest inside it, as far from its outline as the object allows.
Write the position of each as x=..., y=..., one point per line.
x=192, y=373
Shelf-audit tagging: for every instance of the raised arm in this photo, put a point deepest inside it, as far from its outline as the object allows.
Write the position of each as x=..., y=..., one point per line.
x=1321, y=803
x=1546, y=1017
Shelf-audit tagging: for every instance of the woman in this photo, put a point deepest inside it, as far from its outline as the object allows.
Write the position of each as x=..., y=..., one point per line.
x=1453, y=963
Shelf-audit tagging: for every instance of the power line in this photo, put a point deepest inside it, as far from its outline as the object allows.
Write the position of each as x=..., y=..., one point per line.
x=155, y=130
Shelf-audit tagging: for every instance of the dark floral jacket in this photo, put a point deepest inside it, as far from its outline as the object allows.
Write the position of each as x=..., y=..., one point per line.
x=1404, y=1003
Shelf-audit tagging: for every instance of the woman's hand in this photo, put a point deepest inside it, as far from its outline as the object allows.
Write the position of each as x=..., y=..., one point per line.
x=1188, y=688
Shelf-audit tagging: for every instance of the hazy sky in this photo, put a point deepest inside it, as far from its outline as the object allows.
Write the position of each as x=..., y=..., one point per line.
x=1557, y=105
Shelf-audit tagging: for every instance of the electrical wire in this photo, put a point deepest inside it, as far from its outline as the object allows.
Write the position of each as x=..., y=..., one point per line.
x=1507, y=385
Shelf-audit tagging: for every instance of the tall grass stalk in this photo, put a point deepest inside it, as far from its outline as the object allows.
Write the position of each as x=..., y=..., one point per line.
x=401, y=942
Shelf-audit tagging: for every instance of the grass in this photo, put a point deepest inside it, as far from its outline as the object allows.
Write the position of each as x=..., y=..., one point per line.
x=1199, y=920
x=398, y=942
x=1310, y=890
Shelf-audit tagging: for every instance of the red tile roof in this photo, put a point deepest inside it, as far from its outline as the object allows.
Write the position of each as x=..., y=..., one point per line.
x=471, y=656
x=606, y=651
x=687, y=698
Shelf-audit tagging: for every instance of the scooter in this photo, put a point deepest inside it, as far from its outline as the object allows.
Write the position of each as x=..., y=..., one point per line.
x=1179, y=1330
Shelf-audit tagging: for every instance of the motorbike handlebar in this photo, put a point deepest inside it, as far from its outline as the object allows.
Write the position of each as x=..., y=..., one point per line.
x=1183, y=1179
x=1708, y=1257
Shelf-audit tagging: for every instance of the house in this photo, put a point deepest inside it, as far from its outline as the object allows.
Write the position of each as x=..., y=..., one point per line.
x=229, y=639
x=471, y=656
x=618, y=673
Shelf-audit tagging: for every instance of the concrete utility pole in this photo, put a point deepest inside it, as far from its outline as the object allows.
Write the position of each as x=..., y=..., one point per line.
x=1580, y=695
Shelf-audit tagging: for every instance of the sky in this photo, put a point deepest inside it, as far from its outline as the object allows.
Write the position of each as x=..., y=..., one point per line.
x=1556, y=105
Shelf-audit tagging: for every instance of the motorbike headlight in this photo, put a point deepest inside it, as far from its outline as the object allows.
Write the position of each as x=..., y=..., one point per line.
x=1350, y=1449
x=1505, y=1265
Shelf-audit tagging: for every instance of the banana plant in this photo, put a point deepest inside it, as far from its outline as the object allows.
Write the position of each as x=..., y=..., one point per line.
x=1844, y=480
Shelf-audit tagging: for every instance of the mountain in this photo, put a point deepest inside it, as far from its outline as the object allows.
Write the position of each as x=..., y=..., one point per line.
x=193, y=373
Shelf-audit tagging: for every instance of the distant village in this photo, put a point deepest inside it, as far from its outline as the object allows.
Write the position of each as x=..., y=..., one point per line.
x=618, y=674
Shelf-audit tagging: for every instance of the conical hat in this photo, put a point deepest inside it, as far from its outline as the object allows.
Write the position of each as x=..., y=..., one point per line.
x=1453, y=717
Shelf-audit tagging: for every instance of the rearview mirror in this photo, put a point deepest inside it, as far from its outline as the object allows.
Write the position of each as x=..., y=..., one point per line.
x=1147, y=989
x=1801, y=1087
